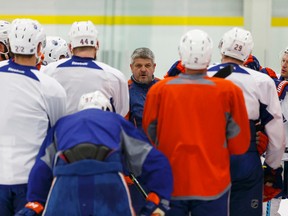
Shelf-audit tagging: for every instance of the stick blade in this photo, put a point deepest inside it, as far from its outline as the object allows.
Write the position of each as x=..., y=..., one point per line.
x=224, y=72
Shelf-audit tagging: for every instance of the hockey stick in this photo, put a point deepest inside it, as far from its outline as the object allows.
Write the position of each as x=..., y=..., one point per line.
x=268, y=208
x=224, y=72
x=157, y=211
x=285, y=176
x=137, y=184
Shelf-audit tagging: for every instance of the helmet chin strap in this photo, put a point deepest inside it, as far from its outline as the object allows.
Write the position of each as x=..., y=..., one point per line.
x=5, y=55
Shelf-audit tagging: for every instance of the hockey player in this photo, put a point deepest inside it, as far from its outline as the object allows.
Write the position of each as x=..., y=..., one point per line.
x=284, y=65
x=197, y=122
x=280, y=186
x=82, y=73
x=5, y=53
x=262, y=104
x=85, y=153
x=56, y=49
x=272, y=206
x=31, y=102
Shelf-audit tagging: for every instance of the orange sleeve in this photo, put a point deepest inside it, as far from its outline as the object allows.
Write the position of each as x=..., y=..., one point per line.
x=149, y=120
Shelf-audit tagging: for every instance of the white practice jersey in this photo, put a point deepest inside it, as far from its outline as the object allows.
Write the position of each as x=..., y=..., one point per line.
x=260, y=94
x=31, y=102
x=79, y=76
x=284, y=106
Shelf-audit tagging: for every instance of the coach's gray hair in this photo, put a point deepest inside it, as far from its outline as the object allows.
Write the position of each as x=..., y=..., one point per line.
x=144, y=53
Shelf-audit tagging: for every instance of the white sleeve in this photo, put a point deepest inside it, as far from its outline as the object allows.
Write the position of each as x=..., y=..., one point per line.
x=284, y=106
x=122, y=103
x=120, y=92
x=54, y=98
x=274, y=128
x=51, y=67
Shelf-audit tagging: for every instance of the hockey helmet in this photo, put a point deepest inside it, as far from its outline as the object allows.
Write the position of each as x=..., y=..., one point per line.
x=237, y=43
x=95, y=100
x=25, y=35
x=4, y=31
x=83, y=34
x=283, y=52
x=195, y=49
x=56, y=47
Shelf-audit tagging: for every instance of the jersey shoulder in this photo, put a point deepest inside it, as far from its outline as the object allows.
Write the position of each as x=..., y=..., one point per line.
x=224, y=84
x=109, y=69
x=50, y=69
x=50, y=85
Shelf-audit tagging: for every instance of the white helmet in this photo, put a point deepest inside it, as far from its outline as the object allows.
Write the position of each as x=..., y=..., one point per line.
x=56, y=47
x=25, y=35
x=4, y=31
x=83, y=34
x=195, y=49
x=237, y=43
x=95, y=100
x=283, y=52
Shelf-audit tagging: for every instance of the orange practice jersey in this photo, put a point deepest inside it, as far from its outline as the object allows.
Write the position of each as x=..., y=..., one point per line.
x=197, y=122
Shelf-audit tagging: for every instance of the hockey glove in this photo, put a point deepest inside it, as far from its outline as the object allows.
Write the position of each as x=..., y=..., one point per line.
x=262, y=141
x=270, y=72
x=128, y=180
x=31, y=209
x=175, y=69
x=253, y=63
x=154, y=206
x=272, y=182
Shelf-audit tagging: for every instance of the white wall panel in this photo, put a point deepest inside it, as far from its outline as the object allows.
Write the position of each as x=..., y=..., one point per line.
x=117, y=41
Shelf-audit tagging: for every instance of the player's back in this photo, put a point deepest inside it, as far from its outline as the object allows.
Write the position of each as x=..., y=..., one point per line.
x=87, y=126
x=79, y=76
x=243, y=78
x=26, y=112
x=194, y=112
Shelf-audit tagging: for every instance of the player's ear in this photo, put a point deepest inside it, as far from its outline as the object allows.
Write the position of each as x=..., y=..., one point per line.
x=39, y=49
x=70, y=48
x=97, y=45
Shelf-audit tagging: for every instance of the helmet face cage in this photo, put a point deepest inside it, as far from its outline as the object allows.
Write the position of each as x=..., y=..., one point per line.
x=4, y=32
x=95, y=100
x=237, y=43
x=83, y=34
x=25, y=35
x=195, y=49
x=56, y=47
